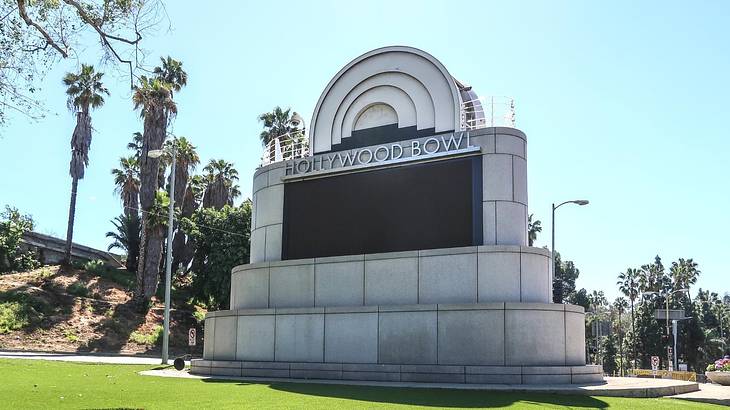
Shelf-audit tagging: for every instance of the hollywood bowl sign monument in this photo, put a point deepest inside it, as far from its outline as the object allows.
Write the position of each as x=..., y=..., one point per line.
x=394, y=249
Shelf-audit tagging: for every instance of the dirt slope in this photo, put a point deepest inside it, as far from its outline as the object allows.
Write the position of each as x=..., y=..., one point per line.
x=61, y=318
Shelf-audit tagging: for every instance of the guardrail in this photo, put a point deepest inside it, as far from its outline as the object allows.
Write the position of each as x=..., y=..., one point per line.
x=284, y=148
x=484, y=112
x=665, y=374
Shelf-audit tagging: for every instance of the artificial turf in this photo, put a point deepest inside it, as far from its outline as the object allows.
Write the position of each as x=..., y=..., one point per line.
x=30, y=384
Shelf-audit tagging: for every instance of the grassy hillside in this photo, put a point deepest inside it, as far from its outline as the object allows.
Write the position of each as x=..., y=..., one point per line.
x=75, y=310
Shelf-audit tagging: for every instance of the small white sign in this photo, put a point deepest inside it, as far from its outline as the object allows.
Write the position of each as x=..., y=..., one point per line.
x=191, y=336
x=655, y=364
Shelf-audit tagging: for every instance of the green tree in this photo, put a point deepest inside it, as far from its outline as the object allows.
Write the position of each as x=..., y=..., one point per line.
x=126, y=181
x=154, y=99
x=13, y=225
x=580, y=298
x=628, y=283
x=565, y=275
x=85, y=91
x=533, y=228
x=608, y=348
x=220, y=177
x=619, y=306
x=278, y=123
x=126, y=237
x=222, y=239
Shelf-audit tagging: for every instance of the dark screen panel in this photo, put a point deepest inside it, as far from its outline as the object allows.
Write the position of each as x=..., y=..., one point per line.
x=421, y=206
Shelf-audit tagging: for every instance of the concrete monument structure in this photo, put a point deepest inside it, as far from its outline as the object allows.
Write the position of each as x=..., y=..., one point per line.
x=394, y=247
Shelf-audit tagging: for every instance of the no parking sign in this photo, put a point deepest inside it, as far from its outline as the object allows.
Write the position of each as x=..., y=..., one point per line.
x=191, y=336
x=655, y=364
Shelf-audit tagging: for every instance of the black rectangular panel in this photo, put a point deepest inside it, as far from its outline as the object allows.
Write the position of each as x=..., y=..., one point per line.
x=420, y=206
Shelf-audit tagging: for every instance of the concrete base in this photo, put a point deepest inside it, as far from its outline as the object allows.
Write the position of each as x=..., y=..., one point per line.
x=513, y=375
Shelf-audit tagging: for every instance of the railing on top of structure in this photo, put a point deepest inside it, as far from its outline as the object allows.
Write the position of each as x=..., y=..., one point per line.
x=484, y=112
x=284, y=148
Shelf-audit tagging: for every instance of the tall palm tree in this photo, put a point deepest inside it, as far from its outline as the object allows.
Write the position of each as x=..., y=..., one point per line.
x=620, y=305
x=171, y=72
x=126, y=180
x=684, y=274
x=221, y=187
x=136, y=144
x=533, y=228
x=628, y=283
x=85, y=91
x=186, y=160
x=154, y=99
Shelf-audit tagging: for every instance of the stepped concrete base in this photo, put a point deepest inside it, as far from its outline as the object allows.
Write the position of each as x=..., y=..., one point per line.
x=532, y=375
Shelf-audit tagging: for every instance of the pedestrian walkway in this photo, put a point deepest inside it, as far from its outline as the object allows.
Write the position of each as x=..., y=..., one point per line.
x=85, y=358
x=708, y=393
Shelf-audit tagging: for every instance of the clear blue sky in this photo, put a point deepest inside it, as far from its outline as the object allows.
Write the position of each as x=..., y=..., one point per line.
x=624, y=104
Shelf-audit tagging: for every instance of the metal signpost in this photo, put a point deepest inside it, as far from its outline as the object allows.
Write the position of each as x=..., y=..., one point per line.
x=655, y=365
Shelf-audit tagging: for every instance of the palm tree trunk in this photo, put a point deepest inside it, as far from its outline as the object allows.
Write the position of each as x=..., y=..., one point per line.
x=620, y=347
x=139, y=292
x=633, y=332
x=71, y=217
x=153, y=257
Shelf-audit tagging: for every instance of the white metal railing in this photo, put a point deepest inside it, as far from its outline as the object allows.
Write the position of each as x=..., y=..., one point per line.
x=284, y=148
x=483, y=112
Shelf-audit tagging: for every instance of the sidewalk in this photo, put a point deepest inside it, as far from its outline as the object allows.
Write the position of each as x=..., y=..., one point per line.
x=88, y=358
x=708, y=393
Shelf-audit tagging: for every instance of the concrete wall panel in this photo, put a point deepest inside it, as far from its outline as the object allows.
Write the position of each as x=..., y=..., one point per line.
x=535, y=278
x=339, y=284
x=255, y=338
x=300, y=338
x=351, y=338
x=497, y=177
x=471, y=337
x=499, y=276
x=292, y=286
x=511, y=223
x=534, y=337
x=448, y=279
x=250, y=289
x=575, y=352
x=407, y=337
x=225, y=338
x=391, y=281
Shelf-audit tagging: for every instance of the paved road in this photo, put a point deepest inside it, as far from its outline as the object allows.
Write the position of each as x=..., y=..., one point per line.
x=73, y=357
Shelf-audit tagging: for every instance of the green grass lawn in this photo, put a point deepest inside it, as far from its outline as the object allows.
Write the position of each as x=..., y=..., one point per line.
x=29, y=384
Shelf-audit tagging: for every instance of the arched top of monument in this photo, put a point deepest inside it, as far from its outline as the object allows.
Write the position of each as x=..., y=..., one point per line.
x=388, y=94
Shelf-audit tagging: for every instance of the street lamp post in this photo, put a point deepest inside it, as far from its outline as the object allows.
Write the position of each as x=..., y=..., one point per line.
x=580, y=202
x=168, y=261
x=667, y=295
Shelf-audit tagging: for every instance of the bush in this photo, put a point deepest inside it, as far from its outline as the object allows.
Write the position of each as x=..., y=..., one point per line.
x=12, y=317
x=12, y=227
x=18, y=310
x=147, y=338
x=199, y=315
x=78, y=289
x=94, y=267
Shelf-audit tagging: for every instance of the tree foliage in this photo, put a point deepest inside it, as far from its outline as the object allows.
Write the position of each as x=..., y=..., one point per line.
x=35, y=35
x=222, y=239
x=13, y=225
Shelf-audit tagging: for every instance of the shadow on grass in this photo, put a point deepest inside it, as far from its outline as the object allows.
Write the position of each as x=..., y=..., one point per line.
x=443, y=398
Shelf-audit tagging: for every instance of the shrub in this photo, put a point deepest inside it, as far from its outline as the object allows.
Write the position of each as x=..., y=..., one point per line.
x=71, y=336
x=721, y=365
x=12, y=317
x=153, y=338
x=78, y=289
x=13, y=225
x=199, y=315
x=18, y=310
x=95, y=267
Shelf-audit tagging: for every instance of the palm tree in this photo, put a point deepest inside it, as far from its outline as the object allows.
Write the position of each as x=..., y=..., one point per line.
x=620, y=305
x=136, y=144
x=684, y=274
x=221, y=189
x=186, y=160
x=126, y=237
x=85, y=91
x=628, y=283
x=533, y=228
x=126, y=179
x=171, y=72
x=278, y=123
x=154, y=98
